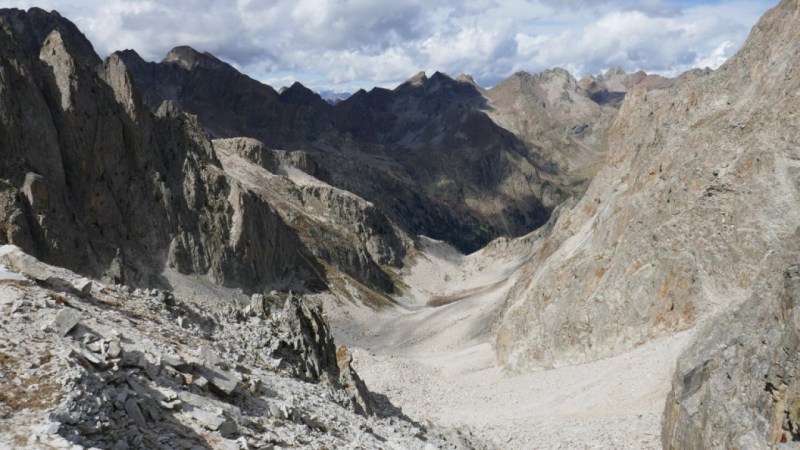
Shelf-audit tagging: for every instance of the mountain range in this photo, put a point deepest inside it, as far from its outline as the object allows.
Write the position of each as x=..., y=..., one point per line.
x=600, y=215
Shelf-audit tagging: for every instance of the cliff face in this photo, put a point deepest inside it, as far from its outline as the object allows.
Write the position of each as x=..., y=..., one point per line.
x=441, y=157
x=93, y=181
x=338, y=227
x=737, y=386
x=694, y=209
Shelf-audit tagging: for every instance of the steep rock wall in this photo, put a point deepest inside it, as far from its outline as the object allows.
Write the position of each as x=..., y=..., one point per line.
x=696, y=204
x=95, y=182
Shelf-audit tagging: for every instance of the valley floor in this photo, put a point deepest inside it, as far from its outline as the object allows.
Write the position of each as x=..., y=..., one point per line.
x=436, y=364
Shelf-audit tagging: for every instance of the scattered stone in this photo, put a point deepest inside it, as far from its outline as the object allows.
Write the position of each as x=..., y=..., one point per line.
x=113, y=349
x=137, y=387
x=120, y=399
x=132, y=359
x=278, y=411
x=228, y=429
x=213, y=422
x=7, y=274
x=88, y=358
x=132, y=408
x=65, y=321
x=17, y=306
x=220, y=380
x=200, y=382
x=174, y=361
x=96, y=346
x=83, y=286
x=122, y=395
x=171, y=405
x=209, y=357
x=258, y=305
x=151, y=408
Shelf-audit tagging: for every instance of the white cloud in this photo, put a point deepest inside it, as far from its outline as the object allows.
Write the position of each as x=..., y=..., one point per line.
x=346, y=44
x=634, y=39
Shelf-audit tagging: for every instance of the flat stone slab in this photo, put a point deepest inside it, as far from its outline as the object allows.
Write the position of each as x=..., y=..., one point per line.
x=65, y=321
x=7, y=274
x=132, y=408
x=219, y=379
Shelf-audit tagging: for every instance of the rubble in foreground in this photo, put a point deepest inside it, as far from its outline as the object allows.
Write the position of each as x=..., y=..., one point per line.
x=105, y=366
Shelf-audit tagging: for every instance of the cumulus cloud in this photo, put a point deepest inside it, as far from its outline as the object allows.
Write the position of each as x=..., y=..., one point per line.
x=634, y=39
x=347, y=44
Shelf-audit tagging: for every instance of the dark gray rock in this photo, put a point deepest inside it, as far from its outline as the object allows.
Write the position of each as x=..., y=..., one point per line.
x=134, y=413
x=35, y=190
x=306, y=349
x=139, y=182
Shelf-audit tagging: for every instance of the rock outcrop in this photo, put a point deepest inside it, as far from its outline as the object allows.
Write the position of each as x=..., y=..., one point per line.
x=338, y=227
x=610, y=88
x=93, y=181
x=737, y=386
x=695, y=206
x=124, y=368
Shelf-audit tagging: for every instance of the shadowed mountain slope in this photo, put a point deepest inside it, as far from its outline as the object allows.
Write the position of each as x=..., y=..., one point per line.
x=441, y=157
x=93, y=181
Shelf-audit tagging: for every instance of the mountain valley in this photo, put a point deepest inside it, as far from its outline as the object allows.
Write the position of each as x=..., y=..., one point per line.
x=190, y=258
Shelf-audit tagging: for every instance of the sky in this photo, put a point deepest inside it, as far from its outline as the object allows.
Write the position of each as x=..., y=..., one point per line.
x=344, y=45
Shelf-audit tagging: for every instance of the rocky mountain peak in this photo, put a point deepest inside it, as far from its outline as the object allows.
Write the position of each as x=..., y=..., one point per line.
x=438, y=84
x=558, y=77
x=55, y=53
x=31, y=28
x=610, y=88
x=116, y=73
x=300, y=95
x=440, y=77
x=189, y=58
x=417, y=80
x=520, y=76
x=130, y=57
x=553, y=89
x=614, y=72
x=120, y=180
x=764, y=58
x=556, y=73
x=466, y=78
